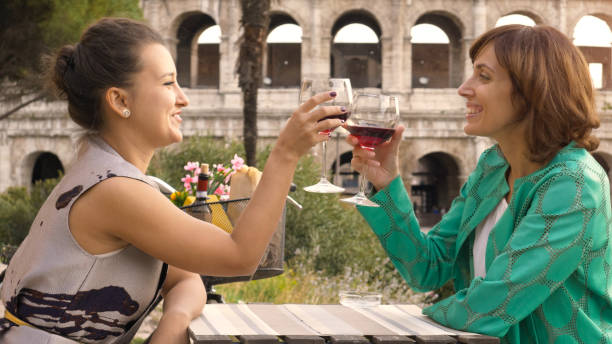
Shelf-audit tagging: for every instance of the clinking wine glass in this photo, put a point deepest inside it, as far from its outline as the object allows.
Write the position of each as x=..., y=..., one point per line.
x=373, y=120
x=344, y=97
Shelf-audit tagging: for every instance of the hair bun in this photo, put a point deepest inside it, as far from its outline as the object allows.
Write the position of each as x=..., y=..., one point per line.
x=64, y=62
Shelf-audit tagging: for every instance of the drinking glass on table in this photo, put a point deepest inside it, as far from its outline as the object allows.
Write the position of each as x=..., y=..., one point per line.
x=344, y=97
x=373, y=120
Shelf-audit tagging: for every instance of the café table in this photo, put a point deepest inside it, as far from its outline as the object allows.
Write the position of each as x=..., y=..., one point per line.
x=305, y=323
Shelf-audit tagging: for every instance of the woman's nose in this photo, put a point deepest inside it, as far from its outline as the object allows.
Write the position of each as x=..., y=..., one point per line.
x=465, y=90
x=181, y=98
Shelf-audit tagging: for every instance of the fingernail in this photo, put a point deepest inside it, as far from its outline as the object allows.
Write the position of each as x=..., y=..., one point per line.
x=342, y=121
x=343, y=109
x=332, y=93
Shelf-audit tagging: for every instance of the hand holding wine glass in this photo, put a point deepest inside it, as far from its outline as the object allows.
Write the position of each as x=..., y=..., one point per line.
x=341, y=88
x=301, y=132
x=373, y=120
x=382, y=164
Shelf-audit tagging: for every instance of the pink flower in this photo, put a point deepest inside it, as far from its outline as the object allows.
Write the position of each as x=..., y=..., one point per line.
x=219, y=190
x=237, y=162
x=188, y=180
x=220, y=168
x=191, y=165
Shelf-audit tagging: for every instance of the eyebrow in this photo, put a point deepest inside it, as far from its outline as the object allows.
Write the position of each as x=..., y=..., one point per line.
x=166, y=74
x=484, y=65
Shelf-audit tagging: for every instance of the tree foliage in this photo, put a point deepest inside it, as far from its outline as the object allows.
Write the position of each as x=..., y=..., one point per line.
x=32, y=29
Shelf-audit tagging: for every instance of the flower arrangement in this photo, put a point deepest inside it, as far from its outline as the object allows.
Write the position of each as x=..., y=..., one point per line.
x=218, y=183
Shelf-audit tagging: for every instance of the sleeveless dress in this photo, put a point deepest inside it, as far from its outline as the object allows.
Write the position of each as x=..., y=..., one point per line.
x=67, y=294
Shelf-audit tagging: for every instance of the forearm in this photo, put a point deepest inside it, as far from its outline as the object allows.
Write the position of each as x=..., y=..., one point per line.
x=425, y=262
x=182, y=302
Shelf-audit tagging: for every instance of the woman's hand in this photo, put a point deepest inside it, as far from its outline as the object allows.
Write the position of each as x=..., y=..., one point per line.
x=301, y=132
x=381, y=166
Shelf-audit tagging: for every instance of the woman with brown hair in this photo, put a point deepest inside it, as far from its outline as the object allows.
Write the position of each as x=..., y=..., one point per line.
x=527, y=241
x=106, y=242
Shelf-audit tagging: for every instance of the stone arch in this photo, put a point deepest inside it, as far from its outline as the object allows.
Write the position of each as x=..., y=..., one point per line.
x=441, y=64
x=435, y=183
x=533, y=13
x=186, y=29
x=574, y=17
x=282, y=61
x=361, y=62
x=41, y=165
x=598, y=54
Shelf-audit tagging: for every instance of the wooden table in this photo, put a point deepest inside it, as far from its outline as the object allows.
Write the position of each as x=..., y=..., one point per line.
x=304, y=324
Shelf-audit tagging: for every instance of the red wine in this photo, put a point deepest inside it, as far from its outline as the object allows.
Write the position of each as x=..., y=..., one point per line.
x=340, y=116
x=370, y=137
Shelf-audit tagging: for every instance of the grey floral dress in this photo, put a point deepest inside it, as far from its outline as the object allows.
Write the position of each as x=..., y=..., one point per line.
x=62, y=291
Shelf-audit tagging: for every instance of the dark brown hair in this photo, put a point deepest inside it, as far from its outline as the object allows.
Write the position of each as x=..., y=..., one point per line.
x=551, y=86
x=106, y=56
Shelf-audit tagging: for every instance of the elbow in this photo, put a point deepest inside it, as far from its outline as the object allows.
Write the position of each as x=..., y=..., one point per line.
x=243, y=266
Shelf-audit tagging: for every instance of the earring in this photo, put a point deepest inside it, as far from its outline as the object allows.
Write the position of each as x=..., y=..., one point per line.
x=126, y=113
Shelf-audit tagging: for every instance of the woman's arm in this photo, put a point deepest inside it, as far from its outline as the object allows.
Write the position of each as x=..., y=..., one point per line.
x=184, y=298
x=425, y=261
x=121, y=211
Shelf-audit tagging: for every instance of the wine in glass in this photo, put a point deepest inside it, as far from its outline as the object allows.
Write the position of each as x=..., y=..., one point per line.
x=344, y=97
x=373, y=120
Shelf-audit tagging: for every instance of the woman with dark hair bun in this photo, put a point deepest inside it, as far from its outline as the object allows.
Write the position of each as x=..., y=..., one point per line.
x=527, y=241
x=106, y=242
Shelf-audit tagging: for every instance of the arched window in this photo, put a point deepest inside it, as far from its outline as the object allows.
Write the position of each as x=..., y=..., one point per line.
x=208, y=57
x=191, y=56
x=437, y=53
x=46, y=166
x=356, y=50
x=283, y=65
x=592, y=36
x=430, y=61
x=515, y=19
x=435, y=183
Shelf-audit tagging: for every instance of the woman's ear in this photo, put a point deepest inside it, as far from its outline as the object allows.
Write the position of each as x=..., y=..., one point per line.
x=116, y=98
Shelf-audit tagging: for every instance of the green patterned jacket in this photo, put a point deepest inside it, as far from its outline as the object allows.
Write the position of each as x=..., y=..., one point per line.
x=548, y=258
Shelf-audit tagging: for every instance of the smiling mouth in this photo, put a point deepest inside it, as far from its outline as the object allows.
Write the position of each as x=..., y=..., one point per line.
x=473, y=110
x=177, y=116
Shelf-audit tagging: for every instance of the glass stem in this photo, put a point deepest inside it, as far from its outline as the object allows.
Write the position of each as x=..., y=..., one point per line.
x=362, y=182
x=324, y=166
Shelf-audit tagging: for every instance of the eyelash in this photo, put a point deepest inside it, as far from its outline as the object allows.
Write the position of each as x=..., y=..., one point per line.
x=169, y=83
x=484, y=77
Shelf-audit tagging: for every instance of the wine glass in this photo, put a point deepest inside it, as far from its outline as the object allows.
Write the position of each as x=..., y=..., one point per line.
x=373, y=120
x=344, y=97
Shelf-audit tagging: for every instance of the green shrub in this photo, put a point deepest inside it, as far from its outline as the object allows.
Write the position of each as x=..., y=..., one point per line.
x=168, y=163
x=330, y=231
x=18, y=208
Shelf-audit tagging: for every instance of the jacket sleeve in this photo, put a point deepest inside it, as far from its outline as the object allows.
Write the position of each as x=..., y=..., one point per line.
x=424, y=261
x=545, y=248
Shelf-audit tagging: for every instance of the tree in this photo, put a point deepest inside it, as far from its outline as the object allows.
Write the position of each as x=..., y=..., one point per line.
x=32, y=29
x=255, y=21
